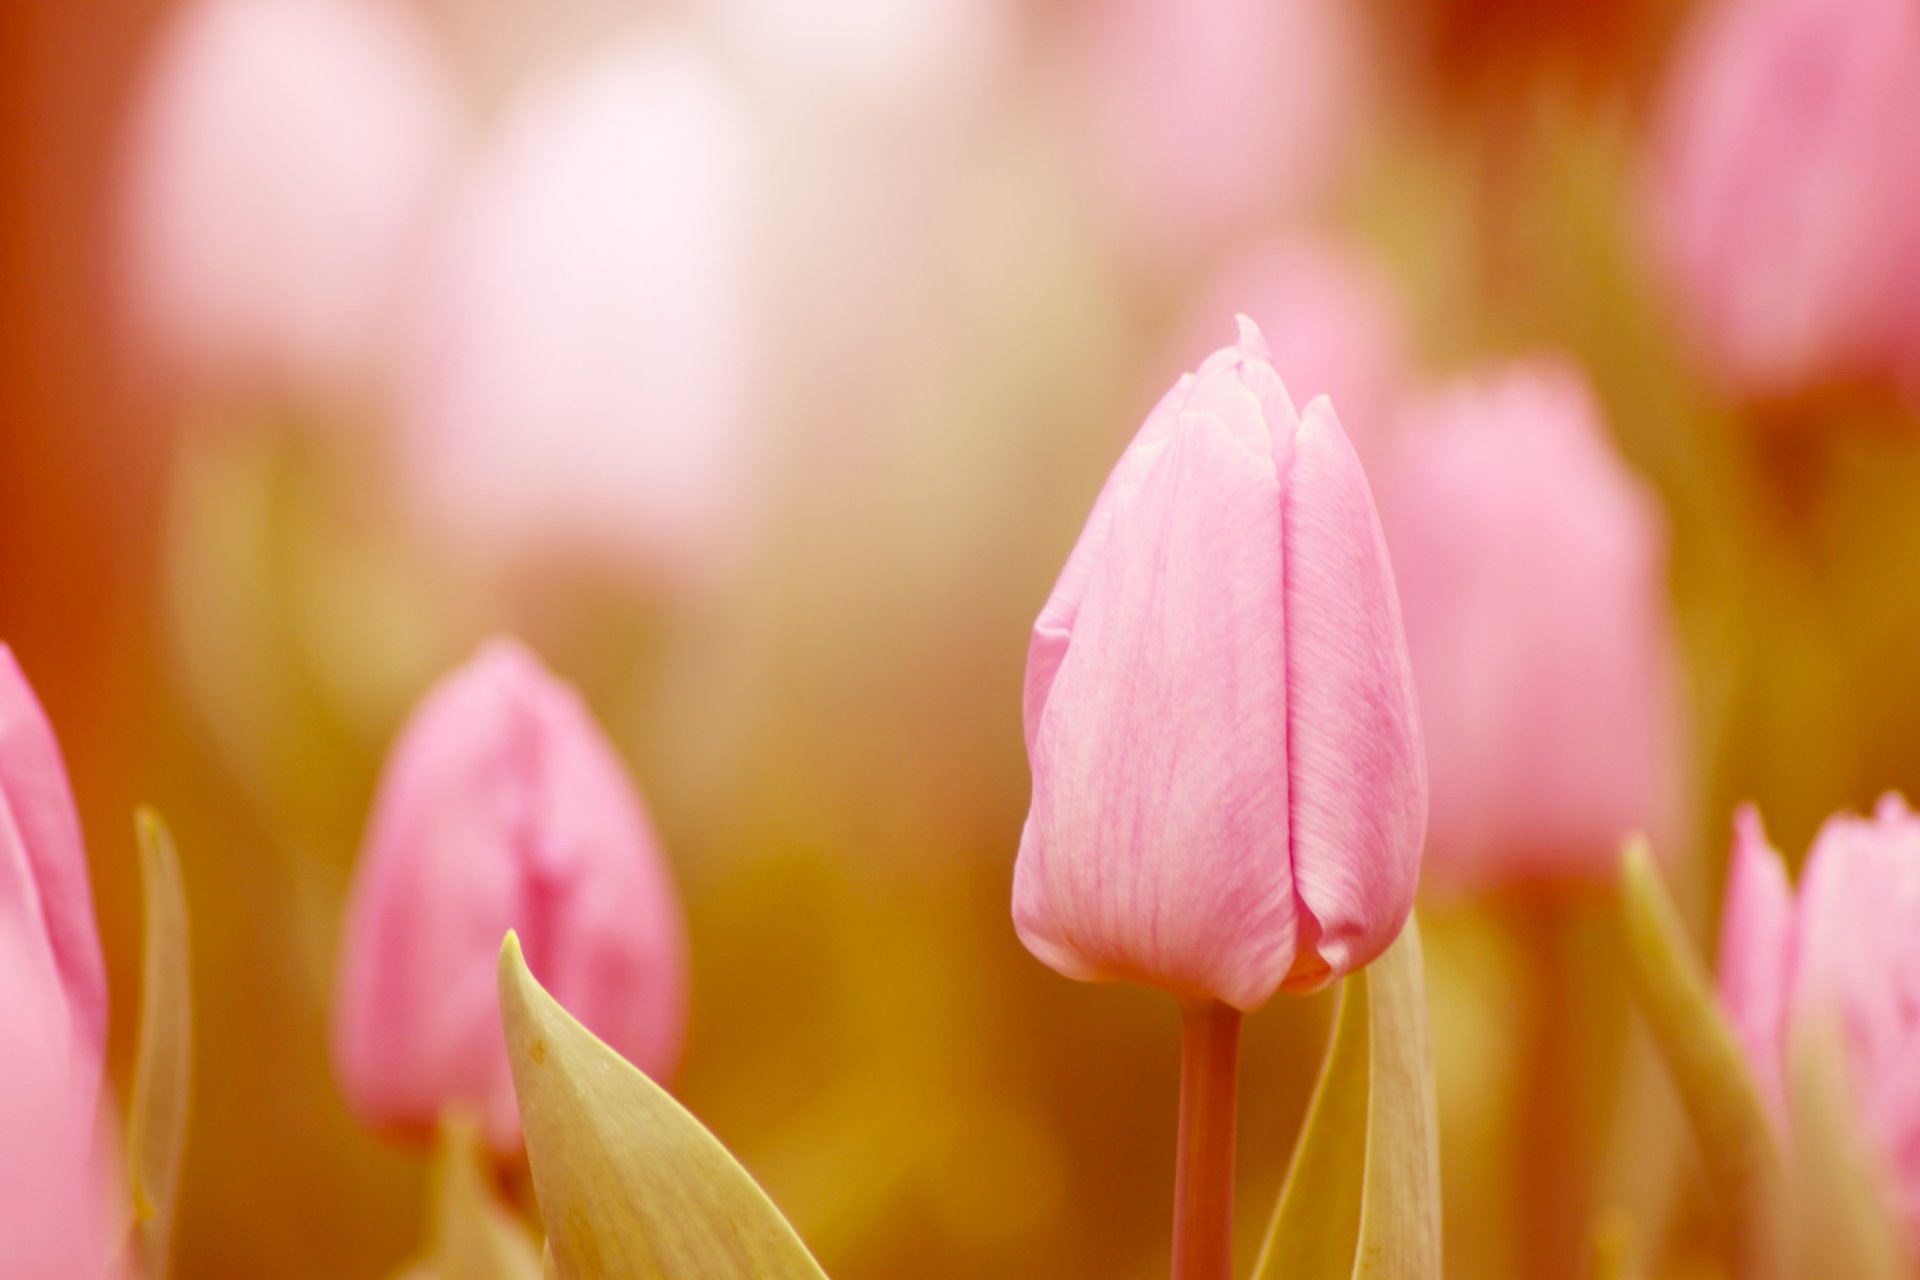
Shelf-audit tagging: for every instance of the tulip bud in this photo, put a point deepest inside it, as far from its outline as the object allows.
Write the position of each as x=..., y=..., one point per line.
x=1229, y=791
x=1844, y=951
x=502, y=807
x=46, y=899
x=579, y=387
x=53, y=1005
x=1785, y=192
x=284, y=156
x=1532, y=567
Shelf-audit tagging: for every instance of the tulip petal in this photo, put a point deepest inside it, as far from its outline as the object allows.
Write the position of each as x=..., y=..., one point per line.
x=33, y=785
x=1743, y=1165
x=1176, y=671
x=1756, y=931
x=631, y=1186
x=1357, y=772
x=157, y=1104
x=1363, y=1194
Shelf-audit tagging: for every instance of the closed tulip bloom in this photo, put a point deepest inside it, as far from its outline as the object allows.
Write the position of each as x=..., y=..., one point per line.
x=46, y=899
x=1845, y=950
x=580, y=384
x=1785, y=191
x=1533, y=571
x=283, y=159
x=1228, y=785
x=502, y=807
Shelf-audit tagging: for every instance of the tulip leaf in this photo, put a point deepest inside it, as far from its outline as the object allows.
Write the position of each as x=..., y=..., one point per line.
x=1363, y=1195
x=1839, y=1196
x=631, y=1186
x=1722, y=1104
x=473, y=1236
x=158, y=1101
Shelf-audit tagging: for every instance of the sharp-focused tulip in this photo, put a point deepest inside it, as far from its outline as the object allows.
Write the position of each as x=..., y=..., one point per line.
x=1333, y=318
x=46, y=899
x=1228, y=785
x=1845, y=951
x=1201, y=121
x=284, y=157
x=1786, y=190
x=581, y=383
x=1532, y=567
x=503, y=807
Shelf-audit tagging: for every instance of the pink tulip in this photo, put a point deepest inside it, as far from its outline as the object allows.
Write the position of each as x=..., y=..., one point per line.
x=53, y=1005
x=1786, y=190
x=46, y=899
x=584, y=371
x=1533, y=571
x=1847, y=950
x=1334, y=319
x=1228, y=786
x=502, y=807
x=1201, y=121
x=284, y=156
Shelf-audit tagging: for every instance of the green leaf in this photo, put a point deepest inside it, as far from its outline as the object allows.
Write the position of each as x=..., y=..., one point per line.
x=473, y=1236
x=1839, y=1198
x=158, y=1102
x=1363, y=1196
x=631, y=1186
x=1671, y=986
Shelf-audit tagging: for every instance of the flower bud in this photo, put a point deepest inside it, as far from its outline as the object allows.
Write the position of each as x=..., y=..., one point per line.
x=284, y=157
x=1846, y=950
x=1533, y=571
x=1228, y=786
x=503, y=806
x=578, y=386
x=1785, y=192
x=46, y=899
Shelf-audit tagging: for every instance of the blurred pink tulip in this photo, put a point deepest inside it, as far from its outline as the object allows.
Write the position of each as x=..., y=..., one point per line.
x=1201, y=121
x=285, y=156
x=1334, y=319
x=1849, y=950
x=1228, y=787
x=1533, y=571
x=53, y=1005
x=46, y=899
x=584, y=377
x=502, y=807
x=1786, y=190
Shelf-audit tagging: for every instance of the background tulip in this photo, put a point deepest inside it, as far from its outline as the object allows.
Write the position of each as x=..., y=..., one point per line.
x=503, y=807
x=1228, y=789
x=1846, y=949
x=582, y=379
x=46, y=901
x=1786, y=190
x=1532, y=568
x=283, y=158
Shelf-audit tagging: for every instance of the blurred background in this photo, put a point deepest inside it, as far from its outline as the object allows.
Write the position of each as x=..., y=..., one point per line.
x=757, y=361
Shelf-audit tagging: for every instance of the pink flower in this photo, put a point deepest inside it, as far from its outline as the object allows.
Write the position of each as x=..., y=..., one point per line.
x=284, y=156
x=1334, y=319
x=583, y=382
x=46, y=899
x=1533, y=571
x=1228, y=787
x=1201, y=121
x=1847, y=949
x=502, y=807
x=53, y=1006
x=1786, y=190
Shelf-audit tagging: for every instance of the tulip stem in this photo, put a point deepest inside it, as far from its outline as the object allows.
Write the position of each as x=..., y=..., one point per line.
x=1203, y=1175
